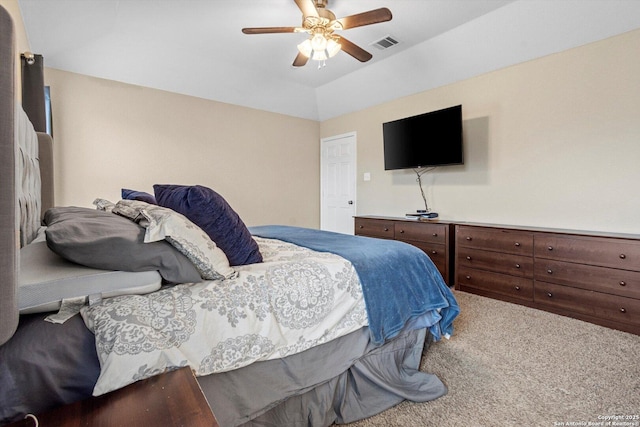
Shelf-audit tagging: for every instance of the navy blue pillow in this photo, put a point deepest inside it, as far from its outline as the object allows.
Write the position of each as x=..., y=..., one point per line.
x=211, y=212
x=138, y=195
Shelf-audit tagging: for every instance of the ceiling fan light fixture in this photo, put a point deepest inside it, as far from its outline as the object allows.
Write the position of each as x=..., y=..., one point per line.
x=318, y=42
x=319, y=48
x=321, y=24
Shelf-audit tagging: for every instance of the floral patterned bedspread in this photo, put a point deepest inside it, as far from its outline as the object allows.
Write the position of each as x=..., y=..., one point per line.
x=296, y=299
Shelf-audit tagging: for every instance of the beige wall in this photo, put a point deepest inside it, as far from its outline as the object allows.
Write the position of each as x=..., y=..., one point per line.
x=110, y=135
x=553, y=142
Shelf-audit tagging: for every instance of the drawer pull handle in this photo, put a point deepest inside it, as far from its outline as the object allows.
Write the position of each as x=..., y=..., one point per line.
x=435, y=234
x=469, y=238
x=623, y=310
x=517, y=265
x=622, y=256
x=517, y=288
x=401, y=231
x=550, y=271
x=623, y=283
x=386, y=229
x=517, y=244
x=362, y=226
x=468, y=258
x=549, y=294
x=549, y=248
x=468, y=277
x=434, y=252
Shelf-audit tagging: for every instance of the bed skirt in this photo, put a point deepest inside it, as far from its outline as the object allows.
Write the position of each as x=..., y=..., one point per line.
x=345, y=380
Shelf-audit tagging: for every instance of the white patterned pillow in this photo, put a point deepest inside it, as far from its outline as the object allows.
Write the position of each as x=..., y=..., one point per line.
x=164, y=223
x=103, y=205
x=188, y=238
x=131, y=209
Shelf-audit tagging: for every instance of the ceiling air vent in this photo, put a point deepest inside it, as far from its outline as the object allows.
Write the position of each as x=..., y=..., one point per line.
x=385, y=43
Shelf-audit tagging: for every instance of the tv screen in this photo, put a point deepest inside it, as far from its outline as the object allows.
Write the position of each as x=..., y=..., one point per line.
x=429, y=139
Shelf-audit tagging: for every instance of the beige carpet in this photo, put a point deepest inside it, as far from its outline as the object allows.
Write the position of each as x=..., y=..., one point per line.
x=509, y=365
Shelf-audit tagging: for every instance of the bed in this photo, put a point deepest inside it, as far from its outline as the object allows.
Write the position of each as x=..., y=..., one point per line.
x=290, y=326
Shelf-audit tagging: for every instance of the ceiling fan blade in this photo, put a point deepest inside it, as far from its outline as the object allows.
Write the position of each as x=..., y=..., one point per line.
x=354, y=50
x=269, y=30
x=365, y=18
x=307, y=8
x=300, y=61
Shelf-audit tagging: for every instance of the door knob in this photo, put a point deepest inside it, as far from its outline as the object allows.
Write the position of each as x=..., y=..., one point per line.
x=350, y=202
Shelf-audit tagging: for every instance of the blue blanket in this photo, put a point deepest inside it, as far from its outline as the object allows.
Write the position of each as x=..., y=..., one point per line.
x=400, y=283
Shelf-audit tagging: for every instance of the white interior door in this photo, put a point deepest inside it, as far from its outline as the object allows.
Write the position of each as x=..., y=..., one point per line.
x=338, y=183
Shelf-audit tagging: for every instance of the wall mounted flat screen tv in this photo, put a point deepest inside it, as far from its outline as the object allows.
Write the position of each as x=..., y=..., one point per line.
x=425, y=140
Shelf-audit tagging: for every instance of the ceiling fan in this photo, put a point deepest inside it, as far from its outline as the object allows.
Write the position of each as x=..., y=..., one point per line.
x=320, y=23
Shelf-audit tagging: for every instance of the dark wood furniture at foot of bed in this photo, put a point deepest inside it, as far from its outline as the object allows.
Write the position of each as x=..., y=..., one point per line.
x=172, y=398
x=433, y=237
x=593, y=277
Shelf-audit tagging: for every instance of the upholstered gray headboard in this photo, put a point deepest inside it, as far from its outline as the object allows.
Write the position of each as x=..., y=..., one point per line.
x=9, y=239
x=26, y=172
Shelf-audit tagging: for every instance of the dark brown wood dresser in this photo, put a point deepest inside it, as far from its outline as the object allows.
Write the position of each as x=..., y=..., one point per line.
x=434, y=237
x=594, y=277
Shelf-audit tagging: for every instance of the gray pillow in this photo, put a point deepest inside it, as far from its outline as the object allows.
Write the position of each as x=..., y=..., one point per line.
x=108, y=241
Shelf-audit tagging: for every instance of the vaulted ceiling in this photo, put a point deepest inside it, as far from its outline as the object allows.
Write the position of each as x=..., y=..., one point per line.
x=196, y=47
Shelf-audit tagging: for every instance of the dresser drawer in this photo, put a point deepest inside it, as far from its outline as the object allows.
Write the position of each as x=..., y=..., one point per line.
x=423, y=232
x=501, y=240
x=437, y=254
x=616, y=253
x=503, y=284
x=516, y=265
x=596, y=304
x=432, y=237
x=602, y=279
x=374, y=228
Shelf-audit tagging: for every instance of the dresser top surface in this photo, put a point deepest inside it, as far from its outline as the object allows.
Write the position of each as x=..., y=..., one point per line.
x=508, y=227
x=552, y=230
x=398, y=218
